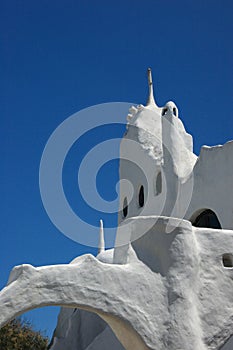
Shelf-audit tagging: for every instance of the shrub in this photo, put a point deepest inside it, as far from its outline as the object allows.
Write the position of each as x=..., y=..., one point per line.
x=19, y=334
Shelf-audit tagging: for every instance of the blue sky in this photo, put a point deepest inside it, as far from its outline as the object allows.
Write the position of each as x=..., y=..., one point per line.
x=58, y=57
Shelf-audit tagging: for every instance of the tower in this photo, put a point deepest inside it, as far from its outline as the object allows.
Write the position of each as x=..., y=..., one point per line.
x=156, y=156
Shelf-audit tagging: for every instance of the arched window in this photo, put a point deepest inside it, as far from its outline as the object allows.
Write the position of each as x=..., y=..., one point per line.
x=174, y=111
x=141, y=197
x=158, y=184
x=125, y=208
x=207, y=218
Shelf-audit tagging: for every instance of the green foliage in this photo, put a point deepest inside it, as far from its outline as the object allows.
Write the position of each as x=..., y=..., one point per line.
x=19, y=335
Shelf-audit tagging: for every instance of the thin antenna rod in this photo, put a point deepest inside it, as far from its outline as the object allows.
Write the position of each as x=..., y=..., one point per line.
x=151, y=100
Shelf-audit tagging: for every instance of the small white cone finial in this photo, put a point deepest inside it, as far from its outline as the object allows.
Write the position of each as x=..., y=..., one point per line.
x=101, y=246
x=151, y=100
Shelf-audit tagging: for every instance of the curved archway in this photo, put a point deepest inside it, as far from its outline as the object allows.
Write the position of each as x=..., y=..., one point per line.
x=65, y=285
x=205, y=218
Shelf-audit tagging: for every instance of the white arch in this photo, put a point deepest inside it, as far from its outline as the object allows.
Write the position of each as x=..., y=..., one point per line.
x=73, y=286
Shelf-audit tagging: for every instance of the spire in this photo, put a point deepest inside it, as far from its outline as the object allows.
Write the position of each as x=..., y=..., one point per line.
x=151, y=100
x=101, y=246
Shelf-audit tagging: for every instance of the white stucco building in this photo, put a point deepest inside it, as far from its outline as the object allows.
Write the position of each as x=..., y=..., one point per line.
x=168, y=283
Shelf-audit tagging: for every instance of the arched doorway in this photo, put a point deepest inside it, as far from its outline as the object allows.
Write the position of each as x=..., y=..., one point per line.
x=207, y=218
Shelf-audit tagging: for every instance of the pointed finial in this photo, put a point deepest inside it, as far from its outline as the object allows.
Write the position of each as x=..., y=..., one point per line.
x=151, y=100
x=101, y=246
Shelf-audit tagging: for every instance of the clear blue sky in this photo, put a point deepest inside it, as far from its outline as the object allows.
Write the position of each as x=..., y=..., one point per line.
x=58, y=57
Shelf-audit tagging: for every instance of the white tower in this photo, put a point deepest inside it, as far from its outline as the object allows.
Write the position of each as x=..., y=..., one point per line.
x=156, y=155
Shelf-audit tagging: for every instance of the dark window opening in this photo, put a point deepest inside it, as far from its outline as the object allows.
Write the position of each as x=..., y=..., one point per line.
x=159, y=183
x=227, y=260
x=125, y=208
x=164, y=111
x=174, y=111
x=207, y=219
x=141, y=197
